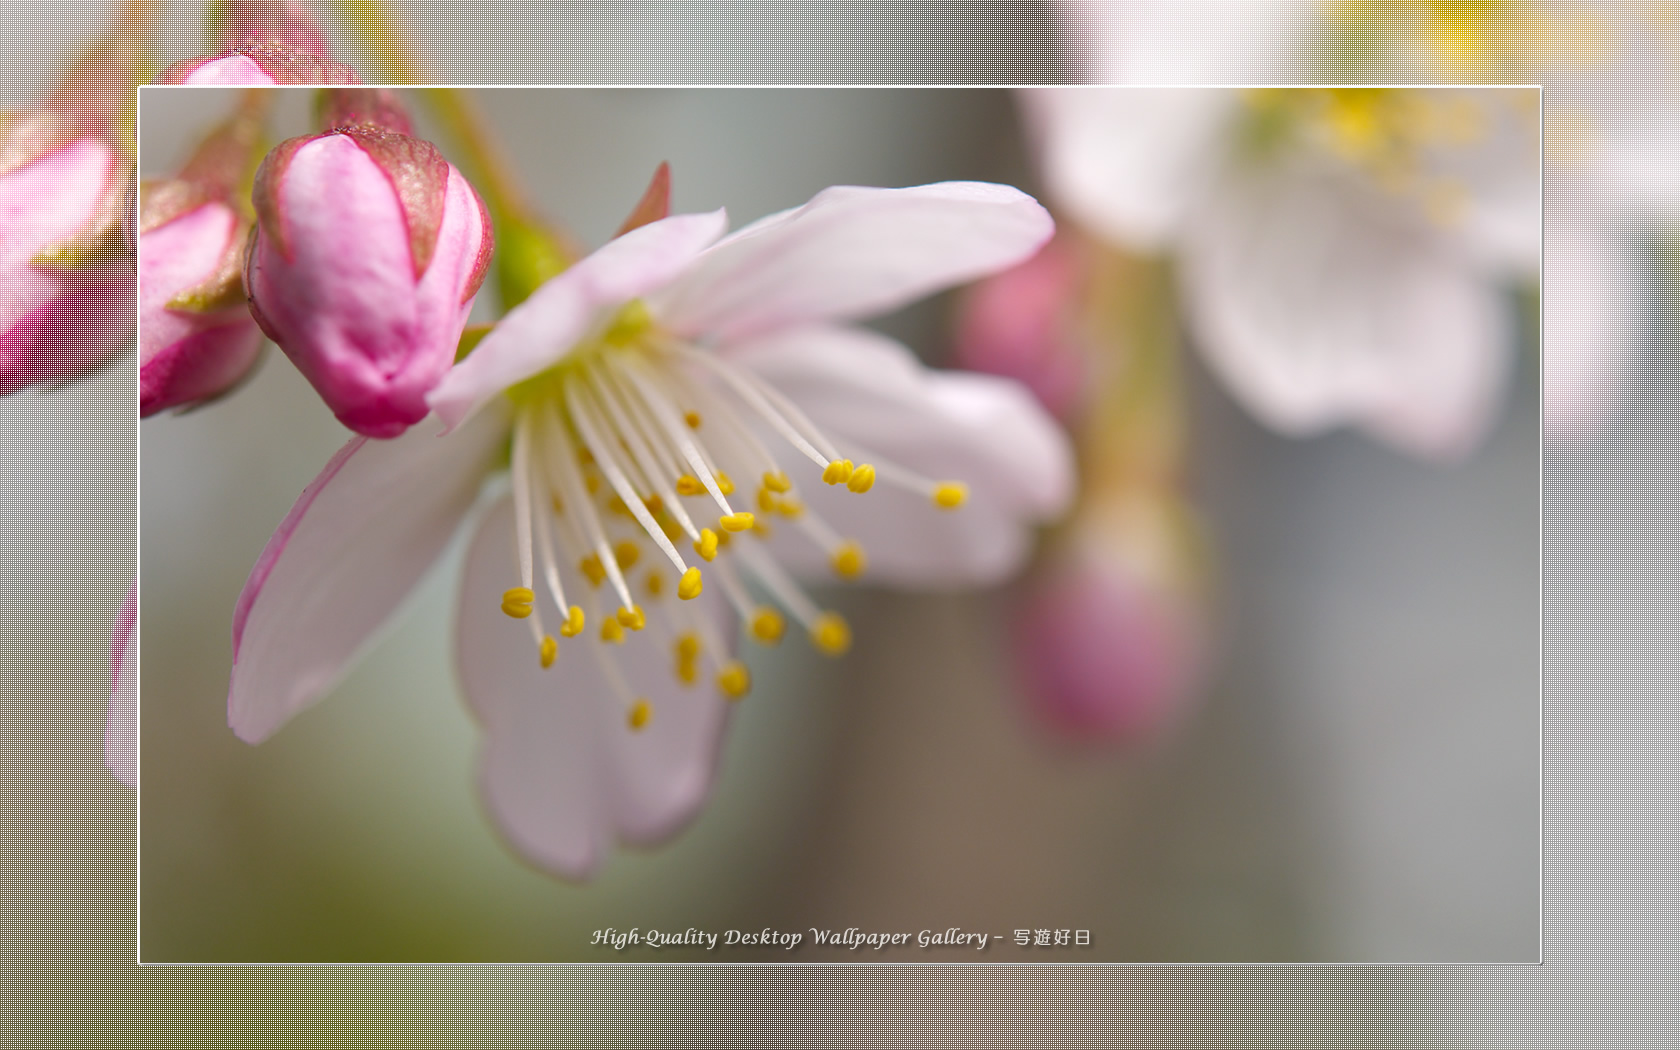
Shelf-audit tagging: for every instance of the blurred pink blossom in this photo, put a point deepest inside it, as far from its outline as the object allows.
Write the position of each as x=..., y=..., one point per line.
x=1022, y=324
x=263, y=43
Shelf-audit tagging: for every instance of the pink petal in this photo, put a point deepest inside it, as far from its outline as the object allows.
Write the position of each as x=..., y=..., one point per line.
x=1592, y=308
x=853, y=252
x=232, y=71
x=870, y=395
x=355, y=543
x=123, y=716
x=537, y=333
x=562, y=773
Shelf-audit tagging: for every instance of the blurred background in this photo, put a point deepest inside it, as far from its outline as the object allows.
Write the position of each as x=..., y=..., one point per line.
x=1355, y=777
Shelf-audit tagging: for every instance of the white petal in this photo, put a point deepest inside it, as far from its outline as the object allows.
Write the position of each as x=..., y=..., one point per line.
x=537, y=333
x=1187, y=42
x=123, y=716
x=870, y=394
x=1321, y=304
x=1127, y=163
x=1592, y=306
x=355, y=543
x=852, y=252
x=562, y=773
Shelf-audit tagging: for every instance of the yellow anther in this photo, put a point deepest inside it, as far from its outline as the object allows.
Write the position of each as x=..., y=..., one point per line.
x=849, y=560
x=655, y=583
x=776, y=481
x=766, y=500
x=554, y=501
x=761, y=530
x=789, y=508
x=862, y=479
x=837, y=471
x=706, y=546
x=548, y=650
x=688, y=645
x=672, y=529
x=949, y=495
x=517, y=602
x=654, y=504
x=631, y=616
x=574, y=623
x=831, y=634
x=592, y=483
x=627, y=553
x=591, y=567
x=640, y=712
x=611, y=631
x=689, y=485
x=585, y=456
x=692, y=419
x=618, y=506
x=724, y=485
x=768, y=625
x=723, y=540
x=734, y=679
x=740, y=521
x=688, y=671
x=689, y=586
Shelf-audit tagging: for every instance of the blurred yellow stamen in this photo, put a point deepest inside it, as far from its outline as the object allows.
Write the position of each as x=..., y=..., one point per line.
x=631, y=616
x=655, y=583
x=517, y=602
x=776, y=481
x=689, y=586
x=689, y=485
x=627, y=553
x=724, y=485
x=574, y=623
x=831, y=634
x=949, y=495
x=547, y=651
x=611, y=631
x=640, y=712
x=592, y=569
x=692, y=419
x=849, y=560
x=688, y=645
x=734, y=680
x=768, y=625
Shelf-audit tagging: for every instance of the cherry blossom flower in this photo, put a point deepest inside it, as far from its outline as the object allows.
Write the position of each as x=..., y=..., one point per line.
x=687, y=427
x=263, y=43
x=1346, y=254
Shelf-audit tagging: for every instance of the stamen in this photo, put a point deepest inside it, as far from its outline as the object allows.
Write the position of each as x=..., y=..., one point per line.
x=631, y=414
x=590, y=566
x=627, y=554
x=640, y=713
x=692, y=419
x=837, y=472
x=768, y=625
x=655, y=584
x=831, y=634
x=862, y=479
x=689, y=586
x=848, y=559
x=667, y=418
x=551, y=572
x=734, y=680
x=776, y=481
x=574, y=623
x=949, y=495
x=611, y=631
x=565, y=473
x=576, y=394
x=707, y=545
x=739, y=522
x=756, y=397
x=518, y=602
x=548, y=650
x=631, y=616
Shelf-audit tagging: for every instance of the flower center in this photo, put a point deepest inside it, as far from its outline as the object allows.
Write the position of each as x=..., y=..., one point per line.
x=633, y=442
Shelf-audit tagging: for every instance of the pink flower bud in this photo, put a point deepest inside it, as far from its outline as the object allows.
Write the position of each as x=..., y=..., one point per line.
x=1110, y=642
x=264, y=42
x=1019, y=324
x=66, y=287
x=197, y=336
x=368, y=252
